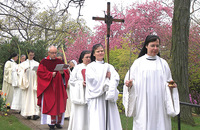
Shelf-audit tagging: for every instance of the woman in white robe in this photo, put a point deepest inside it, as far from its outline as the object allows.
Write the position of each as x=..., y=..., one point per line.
x=78, y=118
x=101, y=85
x=147, y=96
x=7, y=78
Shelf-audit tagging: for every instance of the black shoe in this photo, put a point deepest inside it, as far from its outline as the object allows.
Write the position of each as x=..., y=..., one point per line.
x=58, y=126
x=66, y=118
x=29, y=117
x=51, y=127
x=35, y=117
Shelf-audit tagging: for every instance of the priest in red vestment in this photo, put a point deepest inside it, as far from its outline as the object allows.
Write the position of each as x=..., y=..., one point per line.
x=51, y=90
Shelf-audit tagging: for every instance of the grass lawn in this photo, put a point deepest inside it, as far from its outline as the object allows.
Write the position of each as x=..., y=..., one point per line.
x=11, y=123
x=184, y=126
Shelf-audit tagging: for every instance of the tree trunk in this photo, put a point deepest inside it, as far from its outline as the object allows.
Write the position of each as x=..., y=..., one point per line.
x=180, y=36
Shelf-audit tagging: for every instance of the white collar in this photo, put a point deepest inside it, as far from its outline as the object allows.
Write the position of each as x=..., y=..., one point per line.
x=150, y=57
x=102, y=62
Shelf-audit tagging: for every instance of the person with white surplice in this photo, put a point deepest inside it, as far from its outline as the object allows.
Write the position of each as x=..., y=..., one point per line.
x=147, y=95
x=8, y=82
x=16, y=102
x=78, y=117
x=28, y=84
x=101, y=84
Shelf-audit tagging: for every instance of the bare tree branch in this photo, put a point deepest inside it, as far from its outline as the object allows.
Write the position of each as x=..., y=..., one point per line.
x=20, y=18
x=196, y=21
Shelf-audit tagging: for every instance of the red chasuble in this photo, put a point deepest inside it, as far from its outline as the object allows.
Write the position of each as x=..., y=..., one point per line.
x=52, y=88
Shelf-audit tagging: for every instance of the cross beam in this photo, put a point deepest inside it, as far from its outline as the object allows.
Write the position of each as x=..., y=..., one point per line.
x=108, y=19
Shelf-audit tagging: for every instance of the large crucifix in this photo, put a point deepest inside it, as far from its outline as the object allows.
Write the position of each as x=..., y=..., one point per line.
x=108, y=20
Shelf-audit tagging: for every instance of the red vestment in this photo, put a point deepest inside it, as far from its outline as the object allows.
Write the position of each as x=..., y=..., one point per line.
x=52, y=88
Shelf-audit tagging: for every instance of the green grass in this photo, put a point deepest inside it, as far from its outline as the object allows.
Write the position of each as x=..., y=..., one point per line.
x=11, y=123
x=126, y=125
x=184, y=126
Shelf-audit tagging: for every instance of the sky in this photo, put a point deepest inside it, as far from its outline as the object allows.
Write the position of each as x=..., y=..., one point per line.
x=94, y=8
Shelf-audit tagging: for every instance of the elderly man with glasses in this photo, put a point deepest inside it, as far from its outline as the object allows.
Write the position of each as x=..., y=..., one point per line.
x=51, y=91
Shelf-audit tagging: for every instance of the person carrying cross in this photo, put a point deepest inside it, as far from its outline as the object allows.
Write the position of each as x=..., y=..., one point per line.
x=101, y=84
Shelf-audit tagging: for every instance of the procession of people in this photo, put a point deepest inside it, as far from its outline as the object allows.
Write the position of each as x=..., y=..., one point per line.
x=42, y=90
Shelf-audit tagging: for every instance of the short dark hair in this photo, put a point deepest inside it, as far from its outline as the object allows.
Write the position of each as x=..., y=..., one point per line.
x=93, y=58
x=30, y=51
x=82, y=55
x=149, y=38
x=12, y=55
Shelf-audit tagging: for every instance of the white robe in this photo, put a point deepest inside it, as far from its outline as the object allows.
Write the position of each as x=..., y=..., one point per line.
x=7, y=81
x=149, y=100
x=97, y=93
x=68, y=104
x=28, y=84
x=78, y=118
x=16, y=102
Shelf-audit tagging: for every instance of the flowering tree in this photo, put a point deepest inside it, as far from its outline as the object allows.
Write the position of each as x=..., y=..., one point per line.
x=140, y=21
x=81, y=42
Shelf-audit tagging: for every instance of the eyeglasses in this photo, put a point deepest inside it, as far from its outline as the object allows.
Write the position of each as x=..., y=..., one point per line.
x=53, y=52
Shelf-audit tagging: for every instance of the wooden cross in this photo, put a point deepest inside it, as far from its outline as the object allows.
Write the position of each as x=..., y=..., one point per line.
x=108, y=20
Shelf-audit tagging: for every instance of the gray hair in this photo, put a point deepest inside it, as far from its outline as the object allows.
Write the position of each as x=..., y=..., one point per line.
x=22, y=56
x=52, y=46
